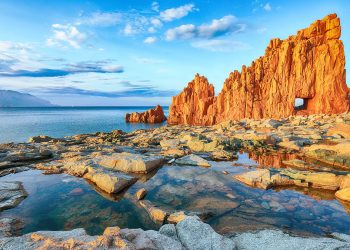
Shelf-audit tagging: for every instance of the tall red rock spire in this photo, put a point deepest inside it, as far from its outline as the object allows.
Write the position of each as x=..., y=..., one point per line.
x=309, y=65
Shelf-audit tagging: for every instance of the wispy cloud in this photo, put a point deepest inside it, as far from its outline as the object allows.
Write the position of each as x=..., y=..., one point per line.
x=134, y=90
x=172, y=14
x=146, y=60
x=82, y=67
x=219, y=45
x=217, y=27
x=267, y=7
x=66, y=35
x=101, y=19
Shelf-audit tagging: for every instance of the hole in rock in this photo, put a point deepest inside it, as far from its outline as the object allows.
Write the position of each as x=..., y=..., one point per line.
x=300, y=104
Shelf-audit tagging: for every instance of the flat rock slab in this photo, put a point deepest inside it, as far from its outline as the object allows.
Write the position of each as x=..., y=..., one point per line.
x=193, y=160
x=11, y=194
x=109, y=181
x=271, y=239
x=131, y=163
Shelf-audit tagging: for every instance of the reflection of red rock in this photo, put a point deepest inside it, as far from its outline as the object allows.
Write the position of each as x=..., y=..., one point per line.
x=309, y=65
x=272, y=160
x=155, y=115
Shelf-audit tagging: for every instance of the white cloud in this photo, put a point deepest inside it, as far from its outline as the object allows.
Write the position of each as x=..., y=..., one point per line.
x=156, y=22
x=176, y=13
x=155, y=6
x=129, y=30
x=64, y=35
x=150, y=40
x=218, y=27
x=219, y=45
x=101, y=19
x=18, y=56
x=267, y=7
x=186, y=31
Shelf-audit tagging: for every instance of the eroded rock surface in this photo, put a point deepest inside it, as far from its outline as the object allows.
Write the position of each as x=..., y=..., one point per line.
x=309, y=65
x=11, y=194
x=155, y=115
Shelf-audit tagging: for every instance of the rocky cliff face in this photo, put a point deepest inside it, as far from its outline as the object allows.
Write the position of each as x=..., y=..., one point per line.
x=155, y=115
x=309, y=65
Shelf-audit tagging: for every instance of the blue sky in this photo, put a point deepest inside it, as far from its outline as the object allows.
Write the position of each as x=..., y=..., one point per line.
x=141, y=52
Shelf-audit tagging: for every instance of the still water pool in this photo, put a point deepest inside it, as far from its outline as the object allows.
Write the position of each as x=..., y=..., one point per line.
x=62, y=202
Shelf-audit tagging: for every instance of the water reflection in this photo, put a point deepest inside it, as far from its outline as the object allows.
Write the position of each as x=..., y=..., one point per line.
x=61, y=202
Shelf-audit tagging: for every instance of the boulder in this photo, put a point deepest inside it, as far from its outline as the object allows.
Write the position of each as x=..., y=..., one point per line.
x=155, y=115
x=192, y=160
x=196, y=235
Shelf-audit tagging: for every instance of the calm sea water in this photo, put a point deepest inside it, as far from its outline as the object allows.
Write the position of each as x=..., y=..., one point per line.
x=18, y=124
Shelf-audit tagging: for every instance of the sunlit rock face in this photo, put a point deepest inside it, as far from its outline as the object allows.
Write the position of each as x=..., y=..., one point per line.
x=155, y=115
x=309, y=65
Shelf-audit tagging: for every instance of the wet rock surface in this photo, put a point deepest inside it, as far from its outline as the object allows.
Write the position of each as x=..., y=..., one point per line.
x=11, y=194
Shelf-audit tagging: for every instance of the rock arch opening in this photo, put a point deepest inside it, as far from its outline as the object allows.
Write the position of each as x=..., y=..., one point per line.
x=300, y=104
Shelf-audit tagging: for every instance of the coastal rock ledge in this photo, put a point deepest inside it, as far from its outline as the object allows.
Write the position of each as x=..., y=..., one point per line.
x=155, y=115
x=190, y=234
x=309, y=66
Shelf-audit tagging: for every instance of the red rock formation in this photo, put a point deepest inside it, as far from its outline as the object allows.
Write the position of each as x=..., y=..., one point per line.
x=309, y=65
x=155, y=115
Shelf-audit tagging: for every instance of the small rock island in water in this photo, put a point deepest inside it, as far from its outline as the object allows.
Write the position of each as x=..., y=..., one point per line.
x=241, y=170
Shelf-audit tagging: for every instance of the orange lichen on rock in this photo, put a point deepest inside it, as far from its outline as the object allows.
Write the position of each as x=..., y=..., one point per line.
x=155, y=115
x=309, y=65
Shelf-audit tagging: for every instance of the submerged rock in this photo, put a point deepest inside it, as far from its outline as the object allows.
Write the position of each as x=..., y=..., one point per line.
x=192, y=160
x=156, y=214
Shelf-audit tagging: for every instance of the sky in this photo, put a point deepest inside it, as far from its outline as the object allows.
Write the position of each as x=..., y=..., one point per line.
x=139, y=52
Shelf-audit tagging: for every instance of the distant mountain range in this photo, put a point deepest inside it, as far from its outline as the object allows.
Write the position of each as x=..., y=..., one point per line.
x=9, y=98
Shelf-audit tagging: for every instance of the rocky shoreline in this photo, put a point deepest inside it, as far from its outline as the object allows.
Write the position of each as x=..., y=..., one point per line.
x=115, y=161
x=190, y=233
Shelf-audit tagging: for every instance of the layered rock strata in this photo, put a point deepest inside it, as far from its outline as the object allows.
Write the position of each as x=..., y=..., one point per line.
x=155, y=115
x=309, y=65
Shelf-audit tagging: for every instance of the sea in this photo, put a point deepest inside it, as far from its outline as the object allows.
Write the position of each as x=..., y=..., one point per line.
x=19, y=124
